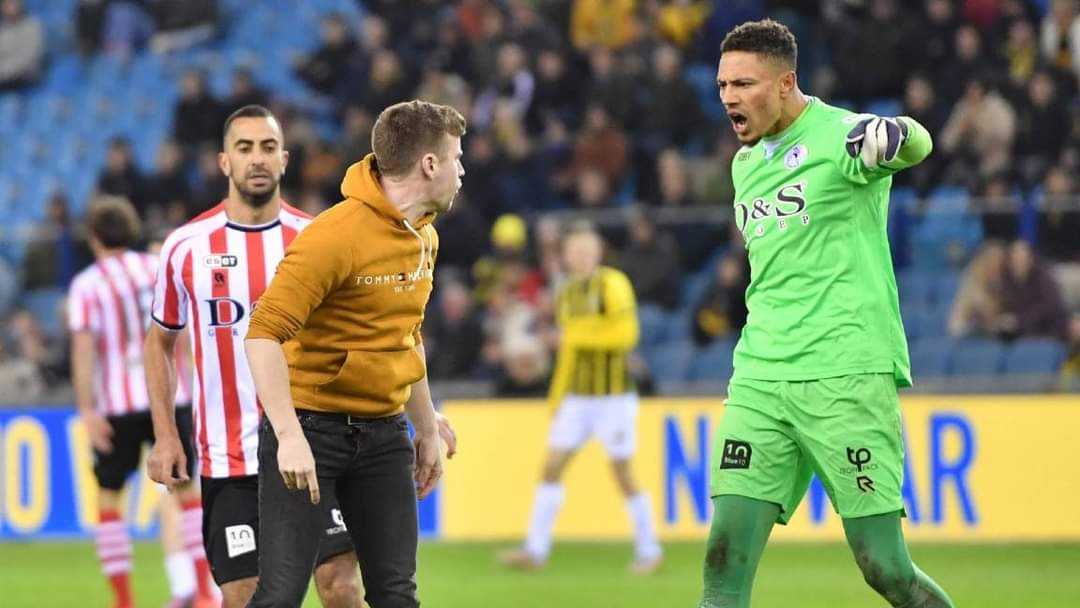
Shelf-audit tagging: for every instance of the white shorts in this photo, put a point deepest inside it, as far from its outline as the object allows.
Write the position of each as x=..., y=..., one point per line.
x=612, y=418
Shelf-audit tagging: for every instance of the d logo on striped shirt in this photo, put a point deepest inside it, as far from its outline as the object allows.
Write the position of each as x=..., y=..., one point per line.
x=225, y=312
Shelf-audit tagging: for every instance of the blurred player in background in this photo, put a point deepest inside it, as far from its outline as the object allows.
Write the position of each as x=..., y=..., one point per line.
x=592, y=394
x=108, y=312
x=213, y=271
x=823, y=351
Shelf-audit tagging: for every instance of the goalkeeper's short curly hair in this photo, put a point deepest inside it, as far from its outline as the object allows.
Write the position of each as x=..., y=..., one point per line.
x=766, y=37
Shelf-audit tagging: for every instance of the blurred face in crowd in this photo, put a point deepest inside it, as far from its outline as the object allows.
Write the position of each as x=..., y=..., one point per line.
x=254, y=159
x=333, y=32
x=511, y=60
x=119, y=158
x=602, y=62
x=582, y=252
x=1021, y=34
x=1041, y=89
x=592, y=188
x=444, y=172
x=374, y=33
x=990, y=264
x=385, y=69
x=939, y=11
x=968, y=44
x=596, y=118
x=1064, y=11
x=642, y=230
x=168, y=159
x=191, y=86
x=550, y=65
x=11, y=10
x=674, y=182
x=730, y=270
x=918, y=96
x=454, y=300
x=1058, y=182
x=883, y=10
x=1021, y=259
x=666, y=63
x=753, y=88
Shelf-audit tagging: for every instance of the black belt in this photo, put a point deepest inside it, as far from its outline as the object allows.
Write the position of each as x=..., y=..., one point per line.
x=349, y=419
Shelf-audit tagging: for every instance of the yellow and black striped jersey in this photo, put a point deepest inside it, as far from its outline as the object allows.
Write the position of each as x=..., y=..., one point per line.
x=598, y=319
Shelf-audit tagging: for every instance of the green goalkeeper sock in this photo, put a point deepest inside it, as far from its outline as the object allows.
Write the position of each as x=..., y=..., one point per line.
x=740, y=529
x=882, y=555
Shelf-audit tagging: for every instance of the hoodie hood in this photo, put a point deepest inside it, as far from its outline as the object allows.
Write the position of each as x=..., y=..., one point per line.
x=362, y=184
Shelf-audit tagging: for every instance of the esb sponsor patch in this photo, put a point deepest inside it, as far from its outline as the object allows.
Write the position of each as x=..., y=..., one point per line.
x=239, y=540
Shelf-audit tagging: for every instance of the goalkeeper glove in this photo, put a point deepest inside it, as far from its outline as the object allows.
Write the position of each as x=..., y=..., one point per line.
x=876, y=140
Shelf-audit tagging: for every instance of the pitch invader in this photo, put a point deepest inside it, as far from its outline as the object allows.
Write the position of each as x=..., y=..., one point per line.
x=108, y=312
x=592, y=395
x=213, y=271
x=823, y=351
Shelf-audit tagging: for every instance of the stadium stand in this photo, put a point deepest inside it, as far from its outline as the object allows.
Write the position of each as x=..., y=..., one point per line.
x=523, y=147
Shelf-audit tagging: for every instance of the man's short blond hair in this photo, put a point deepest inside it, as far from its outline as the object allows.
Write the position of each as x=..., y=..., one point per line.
x=405, y=131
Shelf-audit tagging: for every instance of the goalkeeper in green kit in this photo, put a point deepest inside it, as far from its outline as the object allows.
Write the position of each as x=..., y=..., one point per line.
x=823, y=351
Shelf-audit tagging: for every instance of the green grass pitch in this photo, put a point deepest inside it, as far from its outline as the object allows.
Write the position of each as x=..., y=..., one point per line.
x=590, y=575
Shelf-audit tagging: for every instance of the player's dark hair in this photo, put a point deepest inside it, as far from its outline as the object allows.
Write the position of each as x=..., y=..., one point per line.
x=765, y=37
x=112, y=220
x=248, y=111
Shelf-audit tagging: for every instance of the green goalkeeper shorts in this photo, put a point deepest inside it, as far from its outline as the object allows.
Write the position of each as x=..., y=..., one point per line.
x=775, y=435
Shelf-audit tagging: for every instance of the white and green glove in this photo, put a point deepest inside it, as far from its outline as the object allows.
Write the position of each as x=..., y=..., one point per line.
x=876, y=140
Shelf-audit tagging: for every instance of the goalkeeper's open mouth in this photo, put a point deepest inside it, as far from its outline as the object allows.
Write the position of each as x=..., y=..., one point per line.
x=739, y=122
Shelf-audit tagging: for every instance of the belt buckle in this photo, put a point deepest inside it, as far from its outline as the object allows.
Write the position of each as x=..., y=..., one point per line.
x=353, y=421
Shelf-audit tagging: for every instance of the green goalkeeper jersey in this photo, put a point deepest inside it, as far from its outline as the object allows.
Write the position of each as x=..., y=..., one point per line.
x=822, y=298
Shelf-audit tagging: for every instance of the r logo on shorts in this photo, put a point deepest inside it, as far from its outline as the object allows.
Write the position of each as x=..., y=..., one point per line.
x=239, y=539
x=736, y=455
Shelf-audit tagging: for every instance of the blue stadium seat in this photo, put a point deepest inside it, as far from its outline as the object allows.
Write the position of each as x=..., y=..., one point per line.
x=678, y=325
x=948, y=283
x=916, y=288
x=884, y=107
x=693, y=286
x=931, y=357
x=917, y=323
x=977, y=357
x=653, y=323
x=670, y=362
x=702, y=78
x=1034, y=356
x=45, y=304
x=714, y=362
x=903, y=197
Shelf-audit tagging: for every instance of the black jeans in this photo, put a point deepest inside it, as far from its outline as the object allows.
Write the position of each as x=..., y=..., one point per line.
x=370, y=464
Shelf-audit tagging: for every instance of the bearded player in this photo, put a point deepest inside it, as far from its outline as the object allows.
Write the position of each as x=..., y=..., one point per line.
x=212, y=272
x=823, y=351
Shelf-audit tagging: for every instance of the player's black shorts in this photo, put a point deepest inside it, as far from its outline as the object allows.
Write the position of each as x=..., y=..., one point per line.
x=130, y=433
x=231, y=527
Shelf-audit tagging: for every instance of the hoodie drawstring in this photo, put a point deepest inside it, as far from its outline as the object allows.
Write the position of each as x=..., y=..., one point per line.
x=423, y=248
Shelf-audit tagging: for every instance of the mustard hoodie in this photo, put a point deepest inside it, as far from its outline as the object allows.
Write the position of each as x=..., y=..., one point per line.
x=347, y=302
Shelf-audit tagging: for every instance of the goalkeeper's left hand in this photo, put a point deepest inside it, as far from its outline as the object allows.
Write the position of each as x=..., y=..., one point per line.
x=876, y=140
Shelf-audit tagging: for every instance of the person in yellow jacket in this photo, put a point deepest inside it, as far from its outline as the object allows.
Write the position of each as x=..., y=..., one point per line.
x=335, y=350
x=592, y=394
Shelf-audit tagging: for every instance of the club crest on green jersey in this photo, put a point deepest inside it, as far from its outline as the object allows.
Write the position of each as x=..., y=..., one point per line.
x=795, y=156
x=790, y=202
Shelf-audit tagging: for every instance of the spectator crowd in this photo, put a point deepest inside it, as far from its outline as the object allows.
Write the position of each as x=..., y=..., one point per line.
x=608, y=109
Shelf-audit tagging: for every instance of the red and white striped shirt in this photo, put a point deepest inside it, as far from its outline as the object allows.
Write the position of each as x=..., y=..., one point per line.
x=111, y=299
x=213, y=272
